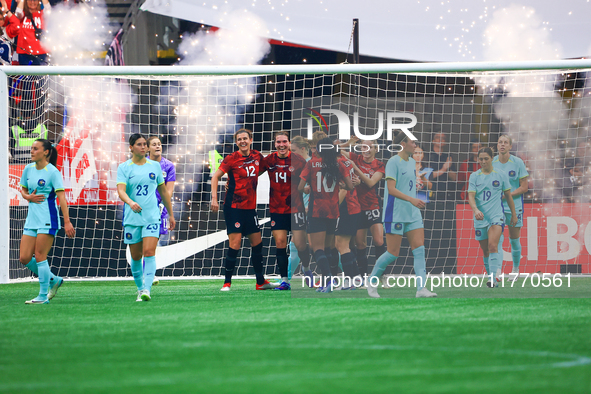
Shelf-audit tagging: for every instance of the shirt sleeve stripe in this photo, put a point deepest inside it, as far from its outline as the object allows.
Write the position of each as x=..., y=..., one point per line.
x=121, y=183
x=390, y=177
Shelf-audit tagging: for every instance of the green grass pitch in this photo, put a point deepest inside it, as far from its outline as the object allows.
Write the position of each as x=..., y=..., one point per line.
x=94, y=338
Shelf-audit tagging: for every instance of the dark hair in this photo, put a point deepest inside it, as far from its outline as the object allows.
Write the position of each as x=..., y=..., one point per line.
x=329, y=156
x=486, y=150
x=52, y=156
x=400, y=137
x=277, y=134
x=243, y=131
x=134, y=137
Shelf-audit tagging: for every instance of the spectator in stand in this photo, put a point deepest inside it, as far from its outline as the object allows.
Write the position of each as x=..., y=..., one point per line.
x=444, y=170
x=424, y=185
x=467, y=167
x=5, y=41
x=29, y=48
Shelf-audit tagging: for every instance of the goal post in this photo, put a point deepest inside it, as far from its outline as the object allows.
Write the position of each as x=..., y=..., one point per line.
x=90, y=111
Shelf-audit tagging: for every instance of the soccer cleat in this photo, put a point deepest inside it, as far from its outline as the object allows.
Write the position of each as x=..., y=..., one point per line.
x=155, y=282
x=425, y=293
x=226, y=287
x=146, y=295
x=284, y=286
x=309, y=278
x=57, y=283
x=267, y=285
x=372, y=291
x=490, y=285
x=326, y=289
x=514, y=275
x=348, y=288
x=139, y=296
x=498, y=275
x=38, y=300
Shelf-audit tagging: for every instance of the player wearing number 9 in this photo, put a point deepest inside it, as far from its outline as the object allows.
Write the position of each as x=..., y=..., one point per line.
x=137, y=181
x=402, y=216
x=485, y=190
x=243, y=168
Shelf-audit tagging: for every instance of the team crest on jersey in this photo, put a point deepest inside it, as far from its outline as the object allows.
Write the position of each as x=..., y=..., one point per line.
x=478, y=233
x=398, y=226
x=256, y=163
x=511, y=173
x=291, y=169
x=496, y=183
x=41, y=182
x=152, y=176
x=237, y=224
x=272, y=223
x=163, y=174
x=128, y=235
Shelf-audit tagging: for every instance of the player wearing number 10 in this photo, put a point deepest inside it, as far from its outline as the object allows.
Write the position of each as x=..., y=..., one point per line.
x=243, y=168
x=402, y=217
x=286, y=204
x=137, y=181
x=485, y=190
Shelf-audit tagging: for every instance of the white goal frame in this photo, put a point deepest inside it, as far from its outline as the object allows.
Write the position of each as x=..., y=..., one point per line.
x=225, y=70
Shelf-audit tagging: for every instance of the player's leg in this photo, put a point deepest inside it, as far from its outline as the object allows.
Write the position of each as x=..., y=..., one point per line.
x=348, y=260
x=164, y=235
x=416, y=239
x=150, y=241
x=361, y=250
x=293, y=259
x=280, y=237
x=494, y=235
x=377, y=234
x=256, y=259
x=299, y=240
x=393, y=241
x=317, y=237
x=137, y=270
x=42, y=246
x=514, y=239
x=481, y=235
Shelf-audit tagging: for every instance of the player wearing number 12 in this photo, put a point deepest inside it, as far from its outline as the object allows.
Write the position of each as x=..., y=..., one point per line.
x=243, y=168
x=515, y=170
x=402, y=217
x=286, y=204
x=485, y=190
x=137, y=181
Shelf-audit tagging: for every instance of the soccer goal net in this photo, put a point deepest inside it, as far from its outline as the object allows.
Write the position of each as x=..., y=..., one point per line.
x=89, y=115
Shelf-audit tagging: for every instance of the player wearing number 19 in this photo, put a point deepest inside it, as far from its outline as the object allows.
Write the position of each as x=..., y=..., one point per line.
x=242, y=167
x=402, y=216
x=137, y=181
x=286, y=204
x=515, y=170
x=40, y=184
x=485, y=190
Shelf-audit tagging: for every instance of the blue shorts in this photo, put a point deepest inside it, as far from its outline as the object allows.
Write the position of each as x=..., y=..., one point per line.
x=32, y=232
x=519, y=219
x=134, y=234
x=481, y=233
x=402, y=228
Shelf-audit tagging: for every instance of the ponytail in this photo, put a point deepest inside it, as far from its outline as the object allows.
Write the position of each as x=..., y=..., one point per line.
x=52, y=156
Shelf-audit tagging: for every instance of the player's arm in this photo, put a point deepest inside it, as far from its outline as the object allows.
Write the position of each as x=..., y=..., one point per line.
x=166, y=199
x=135, y=207
x=391, y=185
x=511, y=204
x=370, y=182
x=32, y=197
x=70, y=231
x=522, y=189
x=472, y=201
x=215, y=205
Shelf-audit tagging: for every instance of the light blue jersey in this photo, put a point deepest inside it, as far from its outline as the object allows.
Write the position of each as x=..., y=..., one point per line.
x=404, y=173
x=47, y=182
x=489, y=190
x=515, y=171
x=141, y=184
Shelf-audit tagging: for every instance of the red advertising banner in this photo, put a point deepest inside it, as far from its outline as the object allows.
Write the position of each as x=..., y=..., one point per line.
x=553, y=236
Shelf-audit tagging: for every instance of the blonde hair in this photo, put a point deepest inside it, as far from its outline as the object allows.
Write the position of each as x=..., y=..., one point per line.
x=507, y=136
x=300, y=142
x=316, y=137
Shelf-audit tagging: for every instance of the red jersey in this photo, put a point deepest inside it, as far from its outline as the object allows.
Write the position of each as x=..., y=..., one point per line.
x=27, y=40
x=283, y=173
x=243, y=178
x=352, y=203
x=368, y=197
x=324, y=193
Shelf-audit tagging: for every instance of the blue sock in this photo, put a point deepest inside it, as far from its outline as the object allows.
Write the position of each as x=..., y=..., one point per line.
x=383, y=261
x=294, y=260
x=420, y=266
x=137, y=272
x=44, y=274
x=486, y=265
x=494, y=264
x=516, y=252
x=149, y=271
